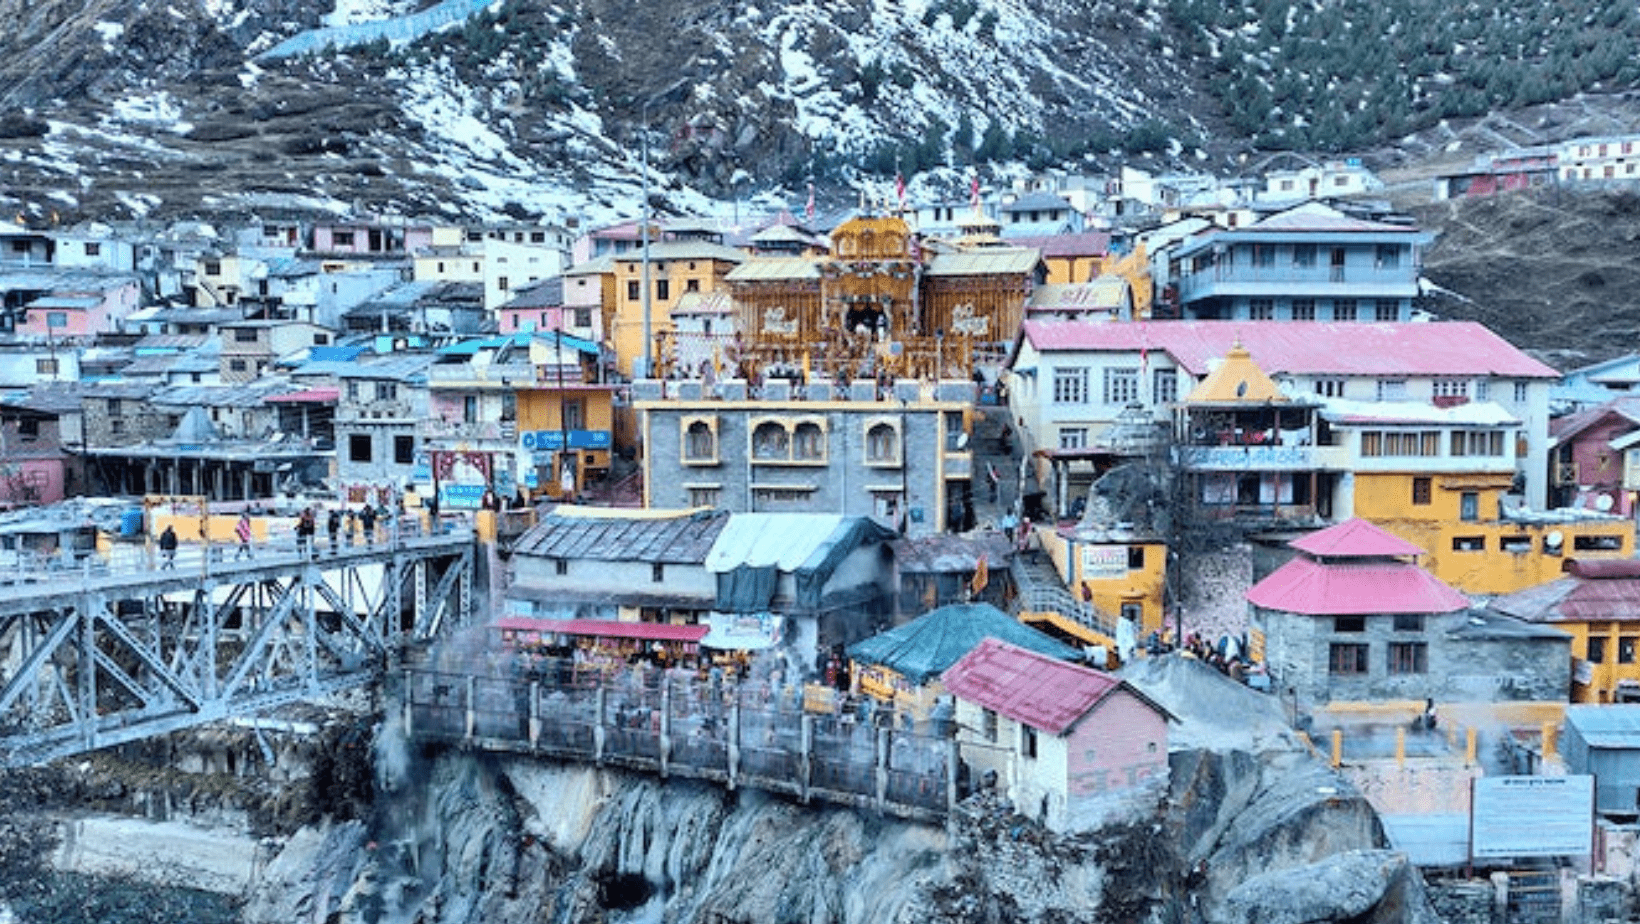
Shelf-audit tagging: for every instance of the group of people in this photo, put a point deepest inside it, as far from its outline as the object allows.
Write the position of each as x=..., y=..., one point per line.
x=363, y=520
x=1228, y=655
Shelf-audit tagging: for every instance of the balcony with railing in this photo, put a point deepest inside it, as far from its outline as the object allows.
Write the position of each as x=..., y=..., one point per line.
x=1359, y=275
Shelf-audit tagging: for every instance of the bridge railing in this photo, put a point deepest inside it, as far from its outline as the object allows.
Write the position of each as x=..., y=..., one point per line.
x=676, y=724
x=280, y=545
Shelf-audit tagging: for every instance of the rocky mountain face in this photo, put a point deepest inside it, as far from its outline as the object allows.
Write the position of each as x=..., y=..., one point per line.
x=1254, y=828
x=156, y=110
x=116, y=110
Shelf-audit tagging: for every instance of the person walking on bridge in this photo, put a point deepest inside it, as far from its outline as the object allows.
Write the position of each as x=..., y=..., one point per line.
x=168, y=547
x=242, y=532
x=305, y=528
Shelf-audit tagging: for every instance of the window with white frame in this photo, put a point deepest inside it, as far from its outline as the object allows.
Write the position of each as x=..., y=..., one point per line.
x=1164, y=386
x=1073, y=437
x=1329, y=388
x=1392, y=389
x=1477, y=443
x=1070, y=386
x=1386, y=309
x=1304, y=309
x=1261, y=309
x=1344, y=309
x=1483, y=390
x=1121, y=385
x=1520, y=392
x=1451, y=388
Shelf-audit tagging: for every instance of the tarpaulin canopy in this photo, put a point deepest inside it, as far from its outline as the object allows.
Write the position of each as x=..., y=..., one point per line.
x=755, y=548
x=923, y=648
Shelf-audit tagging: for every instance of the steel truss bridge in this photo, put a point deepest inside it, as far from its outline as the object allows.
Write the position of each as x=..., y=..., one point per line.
x=117, y=649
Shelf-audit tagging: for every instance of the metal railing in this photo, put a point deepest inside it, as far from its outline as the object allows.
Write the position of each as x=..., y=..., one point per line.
x=676, y=724
x=1040, y=591
x=46, y=571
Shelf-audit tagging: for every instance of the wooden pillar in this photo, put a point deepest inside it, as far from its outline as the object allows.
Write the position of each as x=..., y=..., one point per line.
x=1400, y=747
x=1337, y=748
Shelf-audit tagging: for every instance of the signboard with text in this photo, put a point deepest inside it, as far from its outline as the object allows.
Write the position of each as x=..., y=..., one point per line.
x=1532, y=816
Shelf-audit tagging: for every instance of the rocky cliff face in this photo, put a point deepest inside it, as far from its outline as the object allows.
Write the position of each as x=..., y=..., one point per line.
x=463, y=838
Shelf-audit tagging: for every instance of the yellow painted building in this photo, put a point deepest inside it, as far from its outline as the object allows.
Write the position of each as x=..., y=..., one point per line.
x=1134, y=266
x=1597, y=603
x=675, y=268
x=1456, y=518
x=1117, y=572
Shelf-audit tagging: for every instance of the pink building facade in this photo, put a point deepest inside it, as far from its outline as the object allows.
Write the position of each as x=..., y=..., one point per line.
x=80, y=314
x=1071, y=746
x=1587, y=469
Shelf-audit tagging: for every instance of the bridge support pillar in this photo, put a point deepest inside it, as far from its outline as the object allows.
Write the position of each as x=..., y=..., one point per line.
x=600, y=735
x=805, y=758
x=409, y=705
x=734, y=742
x=471, y=724
x=665, y=743
x=535, y=714
x=880, y=759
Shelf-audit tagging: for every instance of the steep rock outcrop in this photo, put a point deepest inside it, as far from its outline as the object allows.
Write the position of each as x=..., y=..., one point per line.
x=463, y=838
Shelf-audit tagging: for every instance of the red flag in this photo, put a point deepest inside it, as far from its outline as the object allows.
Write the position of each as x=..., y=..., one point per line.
x=973, y=192
x=899, y=189
x=808, y=210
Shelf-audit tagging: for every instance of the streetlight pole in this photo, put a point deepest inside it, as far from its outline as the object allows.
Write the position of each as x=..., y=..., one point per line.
x=643, y=230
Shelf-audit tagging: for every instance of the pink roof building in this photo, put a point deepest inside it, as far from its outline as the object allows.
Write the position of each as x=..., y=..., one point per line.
x=1072, y=746
x=1353, y=617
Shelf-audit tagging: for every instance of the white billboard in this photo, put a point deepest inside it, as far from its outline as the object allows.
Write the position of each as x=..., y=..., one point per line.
x=1532, y=816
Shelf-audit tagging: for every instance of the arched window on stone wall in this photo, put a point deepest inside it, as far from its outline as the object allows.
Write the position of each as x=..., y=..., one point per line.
x=770, y=441
x=700, y=443
x=809, y=443
x=883, y=444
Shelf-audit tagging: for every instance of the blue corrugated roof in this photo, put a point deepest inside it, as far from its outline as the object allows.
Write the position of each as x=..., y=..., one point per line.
x=320, y=354
x=1606, y=726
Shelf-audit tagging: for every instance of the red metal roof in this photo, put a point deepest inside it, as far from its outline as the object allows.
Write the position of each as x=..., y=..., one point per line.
x=1314, y=588
x=1606, y=590
x=605, y=628
x=1355, y=538
x=1304, y=347
x=1081, y=244
x=1039, y=691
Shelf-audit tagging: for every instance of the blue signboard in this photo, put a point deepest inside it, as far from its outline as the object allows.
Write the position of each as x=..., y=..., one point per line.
x=553, y=440
x=460, y=496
